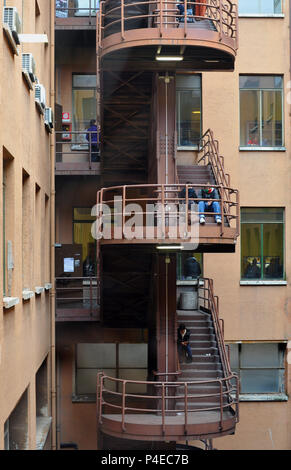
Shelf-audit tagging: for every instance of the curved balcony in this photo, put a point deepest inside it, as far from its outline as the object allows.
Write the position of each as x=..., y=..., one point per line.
x=157, y=214
x=204, y=35
x=205, y=408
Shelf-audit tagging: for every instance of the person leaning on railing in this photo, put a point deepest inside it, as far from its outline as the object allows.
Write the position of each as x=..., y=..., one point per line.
x=210, y=205
x=197, y=10
x=93, y=139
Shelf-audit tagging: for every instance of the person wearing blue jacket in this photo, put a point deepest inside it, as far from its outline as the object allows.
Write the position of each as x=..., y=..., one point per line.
x=209, y=205
x=93, y=139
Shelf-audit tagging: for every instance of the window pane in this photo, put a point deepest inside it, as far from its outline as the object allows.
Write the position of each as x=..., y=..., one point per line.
x=84, y=109
x=260, y=6
x=261, y=82
x=251, y=251
x=262, y=214
x=96, y=355
x=273, y=251
x=261, y=355
x=249, y=118
x=260, y=381
x=234, y=357
x=133, y=355
x=134, y=374
x=272, y=119
x=189, y=117
x=83, y=7
x=86, y=380
x=84, y=81
x=83, y=213
x=188, y=82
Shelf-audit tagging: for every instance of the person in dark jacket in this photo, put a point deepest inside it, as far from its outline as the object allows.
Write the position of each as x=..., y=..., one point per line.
x=190, y=12
x=192, y=268
x=93, y=139
x=183, y=338
x=209, y=205
x=191, y=195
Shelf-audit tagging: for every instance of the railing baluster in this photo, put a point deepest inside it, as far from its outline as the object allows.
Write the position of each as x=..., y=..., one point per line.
x=123, y=406
x=163, y=409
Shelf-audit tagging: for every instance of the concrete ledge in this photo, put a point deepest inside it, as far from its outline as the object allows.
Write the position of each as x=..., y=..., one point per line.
x=263, y=283
x=39, y=290
x=27, y=294
x=10, y=302
x=263, y=397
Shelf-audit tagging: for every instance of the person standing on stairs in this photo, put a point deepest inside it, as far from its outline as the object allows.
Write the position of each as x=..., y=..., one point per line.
x=209, y=205
x=183, y=337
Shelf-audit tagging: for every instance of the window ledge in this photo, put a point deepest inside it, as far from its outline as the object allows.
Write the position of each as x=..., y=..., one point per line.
x=27, y=294
x=263, y=283
x=263, y=397
x=10, y=302
x=261, y=15
x=262, y=149
x=189, y=282
x=90, y=398
x=190, y=148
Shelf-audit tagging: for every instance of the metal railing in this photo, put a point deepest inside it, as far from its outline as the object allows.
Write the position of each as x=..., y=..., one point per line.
x=124, y=15
x=79, y=295
x=162, y=398
x=209, y=147
x=83, y=9
x=161, y=206
x=77, y=147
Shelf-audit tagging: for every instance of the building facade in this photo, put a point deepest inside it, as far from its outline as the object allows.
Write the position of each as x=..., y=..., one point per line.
x=26, y=321
x=198, y=96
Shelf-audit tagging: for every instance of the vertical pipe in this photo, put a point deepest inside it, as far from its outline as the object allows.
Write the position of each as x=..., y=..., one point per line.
x=52, y=231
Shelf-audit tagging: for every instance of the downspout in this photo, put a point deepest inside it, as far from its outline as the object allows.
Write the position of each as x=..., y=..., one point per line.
x=52, y=225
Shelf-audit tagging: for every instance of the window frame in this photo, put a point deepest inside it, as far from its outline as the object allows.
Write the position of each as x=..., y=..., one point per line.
x=264, y=280
x=261, y=148
x=74, y=88
x=280, y=395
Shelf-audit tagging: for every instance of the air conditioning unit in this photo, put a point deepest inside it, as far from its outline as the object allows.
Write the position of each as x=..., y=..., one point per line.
x=49, y=118
x=40, y=96
x=28, y=65
x=12, y=19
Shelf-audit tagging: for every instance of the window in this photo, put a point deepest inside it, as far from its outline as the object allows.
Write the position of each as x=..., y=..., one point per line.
x=262, y=243
x=124, y=361
x=261, y=111
x=84, y=103
x=188, y=98
x=260, y=366
x=82, y=225
x=260, y=6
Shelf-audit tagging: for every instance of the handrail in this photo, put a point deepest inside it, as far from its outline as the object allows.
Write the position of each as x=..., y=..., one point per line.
x=149, y=200
x=162, y=14
x=223, y=390
x=75, y=142
x=63, y=287
x=210, y=149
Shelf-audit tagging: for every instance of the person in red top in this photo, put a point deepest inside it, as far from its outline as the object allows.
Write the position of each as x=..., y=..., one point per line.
x=200, y=9
x=253, y=140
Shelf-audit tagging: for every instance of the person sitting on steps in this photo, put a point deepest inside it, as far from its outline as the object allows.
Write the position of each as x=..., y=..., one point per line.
x=183, y=337
x=211, y=205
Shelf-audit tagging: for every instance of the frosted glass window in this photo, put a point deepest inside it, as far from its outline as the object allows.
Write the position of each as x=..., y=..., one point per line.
x=260, y=366
x=188, y=106
x=96, y=355
x=86, y=380
x=134, y=374
x=133, y=355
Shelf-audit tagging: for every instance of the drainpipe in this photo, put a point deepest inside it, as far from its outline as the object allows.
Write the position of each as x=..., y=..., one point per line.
x=52, y=231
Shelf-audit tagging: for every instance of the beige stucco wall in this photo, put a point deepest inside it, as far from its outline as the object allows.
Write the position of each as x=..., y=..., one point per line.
x=253, y=313
x=25, y=328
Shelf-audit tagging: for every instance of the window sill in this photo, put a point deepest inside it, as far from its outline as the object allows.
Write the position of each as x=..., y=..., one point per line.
x=90, y=398
x=263, y=283
x=263, y=397
x=262, y=149
x=10, y=302
x=190, y=148
x=261, y=15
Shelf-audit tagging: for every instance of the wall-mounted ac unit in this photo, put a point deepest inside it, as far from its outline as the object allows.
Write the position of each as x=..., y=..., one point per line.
x=28, y=65
x=11, y=17
x=49, y=118
x=40, y=96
